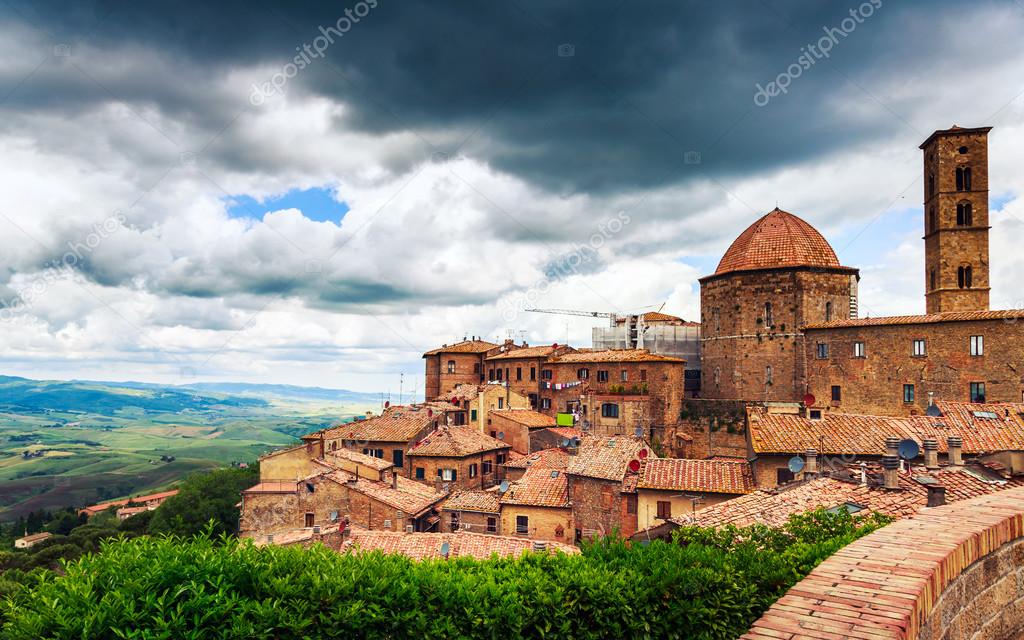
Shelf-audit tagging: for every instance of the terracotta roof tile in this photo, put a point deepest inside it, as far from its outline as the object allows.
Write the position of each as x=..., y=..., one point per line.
x=427, y=546
x=410, y=496
x=539, y=488
x=466, y=346
x=773, y=507
x=455, y=442
x=606, y=458
x=530, y=352
x=613, y=355
x=468, y=500
x=545, y=459
x=396, y=424
x=840, y=433
x=932, y=318
x=709, y=476
x=357, y=457
x=566, y=432
x=779, y=239
x=527, y=417
x=152, y=497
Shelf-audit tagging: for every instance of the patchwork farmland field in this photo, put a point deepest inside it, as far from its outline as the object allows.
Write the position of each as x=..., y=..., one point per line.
x=77, y=443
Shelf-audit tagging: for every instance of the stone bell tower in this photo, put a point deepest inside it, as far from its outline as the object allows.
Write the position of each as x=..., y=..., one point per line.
x=956, y=220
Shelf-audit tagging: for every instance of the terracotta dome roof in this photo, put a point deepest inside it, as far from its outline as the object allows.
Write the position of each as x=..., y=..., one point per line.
x=779, y=239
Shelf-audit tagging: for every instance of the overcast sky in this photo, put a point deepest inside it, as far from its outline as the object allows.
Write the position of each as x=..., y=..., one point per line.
x=257, y=192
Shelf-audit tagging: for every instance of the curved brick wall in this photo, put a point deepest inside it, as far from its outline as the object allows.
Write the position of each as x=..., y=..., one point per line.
x=950, y=573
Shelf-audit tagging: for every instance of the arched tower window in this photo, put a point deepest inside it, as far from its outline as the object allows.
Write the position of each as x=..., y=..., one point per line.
x=963, y=178
x=828, y=312
x=768, y=374
x=964, y=277
x=964, y=214
x=718, y=376
x=931, y=184
x=932, y=275
x=768, y=319
x=932, y=223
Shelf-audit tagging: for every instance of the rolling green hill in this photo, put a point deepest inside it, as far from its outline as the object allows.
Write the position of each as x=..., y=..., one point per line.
x=73, y=443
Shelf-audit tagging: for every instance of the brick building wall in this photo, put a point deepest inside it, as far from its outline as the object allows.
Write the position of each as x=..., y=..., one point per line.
x=517, y=435
x=952, y=242
x=709, y=428
x=600, y=508
x=874, y=384
x=290, y=464
x=445, y=371
x=544, y=523
x=390, y=451
x=663, y=380
x=741, y=337
x=478, y=521
x=430, y=466
x=277, y=512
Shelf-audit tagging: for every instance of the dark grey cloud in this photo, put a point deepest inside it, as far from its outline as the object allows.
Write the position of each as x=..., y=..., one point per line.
x=645, y=84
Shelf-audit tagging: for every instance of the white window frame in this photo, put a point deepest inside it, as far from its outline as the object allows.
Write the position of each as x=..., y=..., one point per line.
x=859, y=350
x=920, y=348
x=977, y=345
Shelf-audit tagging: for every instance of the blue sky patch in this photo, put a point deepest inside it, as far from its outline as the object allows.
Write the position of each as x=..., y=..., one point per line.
x=317, y=204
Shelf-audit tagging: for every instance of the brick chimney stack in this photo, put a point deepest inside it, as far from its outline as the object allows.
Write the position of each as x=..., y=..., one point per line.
x=811, y=469
x=931, y=453
x=956, y=450
x=936, y=495
x=891, y=474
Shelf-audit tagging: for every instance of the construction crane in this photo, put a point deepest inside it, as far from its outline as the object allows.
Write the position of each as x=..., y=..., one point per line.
x=635, y=326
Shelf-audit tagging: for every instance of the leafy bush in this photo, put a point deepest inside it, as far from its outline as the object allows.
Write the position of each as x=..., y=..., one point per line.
x=710, y=584
x=201, y=497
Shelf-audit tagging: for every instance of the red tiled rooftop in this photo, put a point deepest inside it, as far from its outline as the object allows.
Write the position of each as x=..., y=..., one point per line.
x=455, y=442
x=359, y=458
x=931, y=318
x=556, y=458
x=539, y=488
x=542, y=351
x=613, y=355
x=428, y=546
x=396, y=424
x=466, y=346
x=708, y=476
x=469, y=500
x=606, y=458
x=527, y=417
x=103, y=506
x=273, y=487
x=779, y=239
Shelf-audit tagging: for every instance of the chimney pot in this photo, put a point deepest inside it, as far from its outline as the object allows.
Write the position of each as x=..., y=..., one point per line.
x=892, y=446
x=931, y=453
x=936, y=495
x=956, y=450
x=890, y=466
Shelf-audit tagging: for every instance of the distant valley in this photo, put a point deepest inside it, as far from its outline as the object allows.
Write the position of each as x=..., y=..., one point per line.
x=71, y=443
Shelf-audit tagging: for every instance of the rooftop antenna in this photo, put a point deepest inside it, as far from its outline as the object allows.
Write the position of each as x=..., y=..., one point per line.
x=401, y=382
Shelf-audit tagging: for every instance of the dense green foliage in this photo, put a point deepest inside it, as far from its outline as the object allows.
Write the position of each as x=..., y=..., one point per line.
x=204, y=497
x=706, y=585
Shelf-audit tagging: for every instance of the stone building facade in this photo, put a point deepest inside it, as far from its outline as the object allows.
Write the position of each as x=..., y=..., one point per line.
x=458, y=457
x=519, y=368
x=778, y=275
x=451, y=365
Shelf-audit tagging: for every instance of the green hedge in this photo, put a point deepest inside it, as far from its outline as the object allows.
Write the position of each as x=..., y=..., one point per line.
x=712, y=585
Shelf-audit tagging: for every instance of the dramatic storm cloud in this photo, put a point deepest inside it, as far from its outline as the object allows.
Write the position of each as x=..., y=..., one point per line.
x=316, y=194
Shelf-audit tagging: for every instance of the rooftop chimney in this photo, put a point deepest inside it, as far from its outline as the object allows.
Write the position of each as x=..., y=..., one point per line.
x=892, y=446
x=891, y=465
x=931, y=453
x=956, y=450
x=540, y=546
x=394, y=480
x=936, y=495
x=811, y=468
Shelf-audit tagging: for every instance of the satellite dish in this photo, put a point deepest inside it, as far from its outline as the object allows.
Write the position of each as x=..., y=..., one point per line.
x=501, y=435
x=503, y=487
x=445, y=548
x=796, y=464
x=809, y=400
x=430, y=413
x=642, y=454
x=387, y=403
x=933, y=411
x=634, y=465
x=908, y=449
x=639, y=432
x=455, y=401
x=566, y=442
